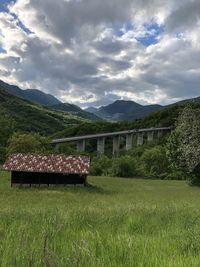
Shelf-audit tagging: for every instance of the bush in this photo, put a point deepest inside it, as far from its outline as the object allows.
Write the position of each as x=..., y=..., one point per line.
x=176, y=175
x=125, y=166
x=28, y=143
x=100, y=165
x=154, y=162
x=136, y=152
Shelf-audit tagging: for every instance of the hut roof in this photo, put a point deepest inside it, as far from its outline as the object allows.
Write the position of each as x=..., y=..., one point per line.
x=48, y=163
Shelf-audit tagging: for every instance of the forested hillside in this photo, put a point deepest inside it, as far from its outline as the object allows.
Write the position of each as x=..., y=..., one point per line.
x=29, y=117
x=161, y=118
x=41, y=98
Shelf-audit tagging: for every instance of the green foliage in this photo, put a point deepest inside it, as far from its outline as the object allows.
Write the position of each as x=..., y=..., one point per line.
x=184, y=143
x=124, y=166
x=100, y=165
x=30, y=117
x=28, y=143
x=2, y=154
x=6, y=130
x=154, y=162
x=173, y=151
x=136, y=151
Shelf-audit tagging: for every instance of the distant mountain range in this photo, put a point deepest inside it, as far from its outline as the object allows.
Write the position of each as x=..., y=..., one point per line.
x=118, y=111
x=39, y=97
x=124, y=110
x=129, y=110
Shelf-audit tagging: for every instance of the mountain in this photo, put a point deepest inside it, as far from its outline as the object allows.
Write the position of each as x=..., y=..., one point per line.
x=167, y=116
x=33, y=95
x=129, y=110
x=75, y=110
x=30, y=117
x=192, y=100
x=91, y=109
x=39, y=97
x=124, y=110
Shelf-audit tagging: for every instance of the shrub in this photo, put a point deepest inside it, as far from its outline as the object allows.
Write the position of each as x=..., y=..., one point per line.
x=100, y=165
x=137, y=151
x=124, y=166
x=176, y=175
x=154, y=162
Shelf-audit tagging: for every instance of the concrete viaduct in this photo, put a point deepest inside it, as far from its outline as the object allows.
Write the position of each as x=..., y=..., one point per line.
x=80, y=140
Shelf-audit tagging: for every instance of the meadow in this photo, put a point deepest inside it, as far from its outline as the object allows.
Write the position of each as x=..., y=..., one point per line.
x=114, y=222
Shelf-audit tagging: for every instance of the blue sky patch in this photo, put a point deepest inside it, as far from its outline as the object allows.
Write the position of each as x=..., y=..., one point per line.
x=152, y=34
x=153, y=31
x=119, y=26
x=21, y=25
x=2, y=51
x=4, y=4
x=3, y=8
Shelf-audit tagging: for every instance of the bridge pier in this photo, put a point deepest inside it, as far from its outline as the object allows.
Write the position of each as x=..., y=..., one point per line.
x=151, y=133
x=101, y=145
x=140, y=139
x=80, y=146
x=116, y=143
x=129, y=141
x=150, y=136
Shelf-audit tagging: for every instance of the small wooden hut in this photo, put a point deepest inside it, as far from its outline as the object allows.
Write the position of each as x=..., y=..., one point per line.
x=47, y=169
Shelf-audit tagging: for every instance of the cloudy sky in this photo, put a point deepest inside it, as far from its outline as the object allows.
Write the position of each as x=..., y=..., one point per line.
x=92, y=52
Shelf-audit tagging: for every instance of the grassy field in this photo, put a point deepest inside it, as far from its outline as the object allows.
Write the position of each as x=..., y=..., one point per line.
x=117, y=222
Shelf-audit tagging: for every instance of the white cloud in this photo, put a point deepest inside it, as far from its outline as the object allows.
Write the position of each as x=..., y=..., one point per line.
x=87, y=51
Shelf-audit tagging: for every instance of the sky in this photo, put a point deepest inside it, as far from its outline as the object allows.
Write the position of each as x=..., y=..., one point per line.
x=93, y=52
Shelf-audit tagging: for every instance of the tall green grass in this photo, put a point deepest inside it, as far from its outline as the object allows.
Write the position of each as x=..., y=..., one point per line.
x=115, y=222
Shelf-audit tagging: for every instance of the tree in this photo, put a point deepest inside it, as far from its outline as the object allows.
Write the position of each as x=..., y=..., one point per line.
x=6, y=130
x=28, y=143
x=185, y=153
x=154, y=162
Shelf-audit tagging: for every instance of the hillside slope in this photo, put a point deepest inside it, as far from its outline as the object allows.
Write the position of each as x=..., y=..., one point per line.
x=41, y=98
x=30, y=117
x=75, y=110
x=32, y=95
x=162, y=118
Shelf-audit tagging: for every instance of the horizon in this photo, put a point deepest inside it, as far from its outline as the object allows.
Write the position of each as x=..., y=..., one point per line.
x=90, y=55
x=97, y=107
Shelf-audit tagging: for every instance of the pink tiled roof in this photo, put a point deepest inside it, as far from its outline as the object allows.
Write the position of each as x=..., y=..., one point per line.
x=48, y=163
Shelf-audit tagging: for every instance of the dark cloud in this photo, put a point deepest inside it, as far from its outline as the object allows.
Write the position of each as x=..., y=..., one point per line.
x=185, y=16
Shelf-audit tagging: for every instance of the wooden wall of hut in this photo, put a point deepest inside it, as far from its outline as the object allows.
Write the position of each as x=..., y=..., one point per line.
x=47, y=178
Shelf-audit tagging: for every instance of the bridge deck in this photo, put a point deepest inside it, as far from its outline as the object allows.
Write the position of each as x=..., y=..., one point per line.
x=101, y=135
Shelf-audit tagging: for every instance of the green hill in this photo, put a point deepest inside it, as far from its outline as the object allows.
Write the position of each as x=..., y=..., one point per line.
x=75, y=110
x=30, y=117
x=33, y=95
x=41, y=98
x=164, y=117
